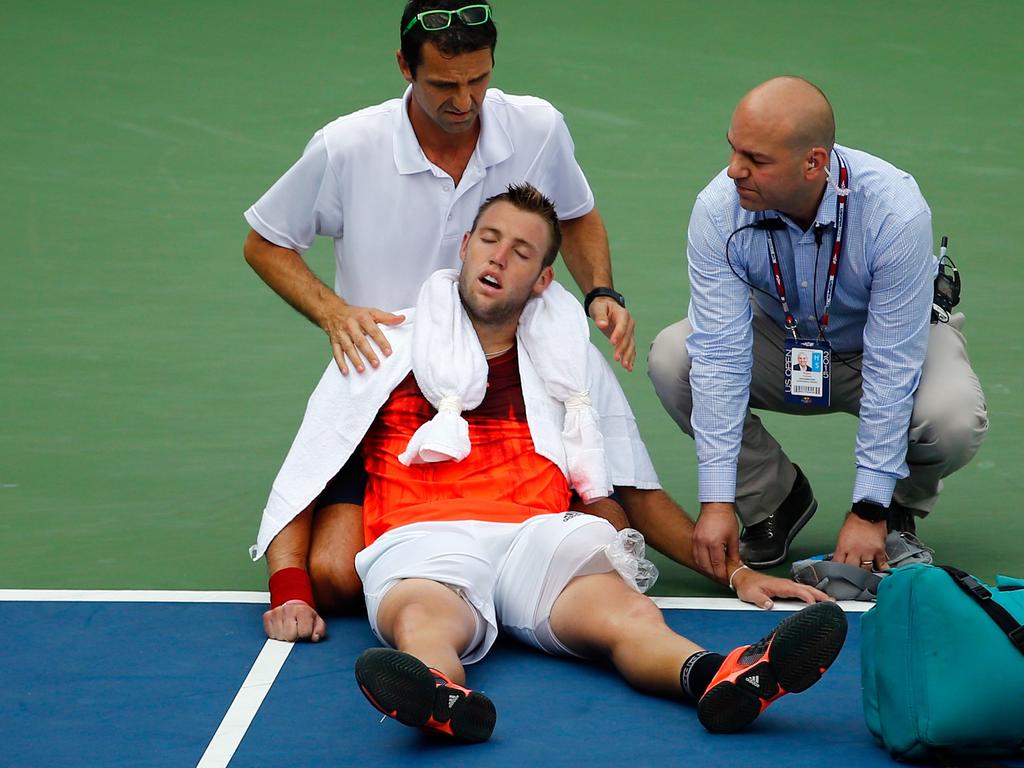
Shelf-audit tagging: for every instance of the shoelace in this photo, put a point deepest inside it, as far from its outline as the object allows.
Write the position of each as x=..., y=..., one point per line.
x=756, y=649
x=763, y=530
x=912, y=548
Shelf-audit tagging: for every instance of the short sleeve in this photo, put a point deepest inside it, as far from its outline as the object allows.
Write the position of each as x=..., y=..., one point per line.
x=561, y=177
x=303, y=203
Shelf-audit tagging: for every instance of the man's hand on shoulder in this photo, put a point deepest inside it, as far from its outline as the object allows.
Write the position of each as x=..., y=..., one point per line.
x=716, y=539
x=294, y=620
x=759, y=589
x=350, y=330
x=617, y=324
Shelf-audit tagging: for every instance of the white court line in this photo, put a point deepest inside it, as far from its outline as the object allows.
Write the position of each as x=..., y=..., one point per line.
x=246, y=704
x=177, y=596
x=129, y=596
x=734, y=604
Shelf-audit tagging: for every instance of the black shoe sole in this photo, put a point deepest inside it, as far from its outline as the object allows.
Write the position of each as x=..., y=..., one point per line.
x=803, y=646
x=800, y=523
x=402, y=687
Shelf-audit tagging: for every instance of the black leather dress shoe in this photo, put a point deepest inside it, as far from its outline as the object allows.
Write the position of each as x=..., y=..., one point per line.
x=766, y=544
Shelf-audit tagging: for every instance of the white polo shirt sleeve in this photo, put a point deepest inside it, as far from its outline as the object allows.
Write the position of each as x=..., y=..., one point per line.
x=558, y=173
x=303, y=203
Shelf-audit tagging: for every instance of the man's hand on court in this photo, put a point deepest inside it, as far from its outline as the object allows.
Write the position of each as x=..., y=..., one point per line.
x=716, y=539
x=295, y=620
x=618, y=325
x=350, y=330
x=861, y=543
x=759, y=589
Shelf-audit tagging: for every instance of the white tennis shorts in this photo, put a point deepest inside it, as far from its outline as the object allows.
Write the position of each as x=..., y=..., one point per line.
x=510, y=573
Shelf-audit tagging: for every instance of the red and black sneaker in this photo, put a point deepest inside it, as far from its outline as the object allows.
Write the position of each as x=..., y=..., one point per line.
x=404, y=688
x=789, y=660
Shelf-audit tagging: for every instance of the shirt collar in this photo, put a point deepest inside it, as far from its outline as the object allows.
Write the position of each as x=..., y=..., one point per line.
x=494, y=145
x=409, y=157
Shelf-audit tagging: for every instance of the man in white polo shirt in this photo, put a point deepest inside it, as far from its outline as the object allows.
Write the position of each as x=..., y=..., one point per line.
x=396, y=186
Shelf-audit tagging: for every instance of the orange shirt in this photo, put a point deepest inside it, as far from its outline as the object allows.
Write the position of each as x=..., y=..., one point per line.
x=502, y=480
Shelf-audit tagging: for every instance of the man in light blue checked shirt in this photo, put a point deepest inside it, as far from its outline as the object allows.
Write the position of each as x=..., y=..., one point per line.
x=921, y=409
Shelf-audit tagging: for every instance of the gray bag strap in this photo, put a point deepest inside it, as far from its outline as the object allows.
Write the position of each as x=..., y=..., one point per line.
x=838, y=580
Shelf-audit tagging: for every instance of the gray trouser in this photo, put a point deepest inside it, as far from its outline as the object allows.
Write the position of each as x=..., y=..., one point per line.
x=947, y=427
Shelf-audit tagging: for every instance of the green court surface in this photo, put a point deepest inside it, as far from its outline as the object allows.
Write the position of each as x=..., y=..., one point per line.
x=150, y=384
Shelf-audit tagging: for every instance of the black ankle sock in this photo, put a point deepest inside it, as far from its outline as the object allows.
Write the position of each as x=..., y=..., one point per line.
x=698, y=671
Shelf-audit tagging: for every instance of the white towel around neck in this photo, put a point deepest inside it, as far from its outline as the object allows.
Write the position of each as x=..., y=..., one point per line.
x=451, y=371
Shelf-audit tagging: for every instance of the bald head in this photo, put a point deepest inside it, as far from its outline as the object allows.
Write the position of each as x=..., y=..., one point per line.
x=781, y=135
x=792, y=110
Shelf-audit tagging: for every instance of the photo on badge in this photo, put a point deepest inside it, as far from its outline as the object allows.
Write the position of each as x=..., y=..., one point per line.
x=806, y=382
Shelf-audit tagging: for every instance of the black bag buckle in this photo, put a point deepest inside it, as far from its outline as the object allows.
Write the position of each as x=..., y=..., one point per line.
x=977, y=589
x=1017, y=637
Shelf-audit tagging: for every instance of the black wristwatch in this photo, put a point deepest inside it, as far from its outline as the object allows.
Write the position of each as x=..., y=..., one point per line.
x=870, y=511
x=597, y=293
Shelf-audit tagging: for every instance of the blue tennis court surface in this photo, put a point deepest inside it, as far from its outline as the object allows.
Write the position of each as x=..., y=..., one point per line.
x=144, y=684
x=119, y=684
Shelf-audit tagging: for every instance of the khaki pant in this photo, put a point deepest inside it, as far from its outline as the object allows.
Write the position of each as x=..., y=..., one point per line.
x=947, y=427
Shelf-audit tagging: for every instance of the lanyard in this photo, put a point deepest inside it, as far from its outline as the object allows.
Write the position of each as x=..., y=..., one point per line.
x=842, y=194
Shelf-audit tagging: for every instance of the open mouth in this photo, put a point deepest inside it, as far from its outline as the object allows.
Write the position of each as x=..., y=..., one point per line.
x=491, y=282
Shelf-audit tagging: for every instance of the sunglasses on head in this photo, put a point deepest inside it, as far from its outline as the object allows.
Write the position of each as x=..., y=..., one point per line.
x=433, y=21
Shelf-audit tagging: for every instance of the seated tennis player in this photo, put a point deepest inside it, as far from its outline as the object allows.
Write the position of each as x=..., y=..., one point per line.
x=492, y=407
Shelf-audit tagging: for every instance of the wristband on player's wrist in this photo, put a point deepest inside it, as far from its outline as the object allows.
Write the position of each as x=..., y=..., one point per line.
x=291, y=584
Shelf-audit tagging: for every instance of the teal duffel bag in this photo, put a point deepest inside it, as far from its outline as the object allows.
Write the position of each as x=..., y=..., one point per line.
x=942, y=664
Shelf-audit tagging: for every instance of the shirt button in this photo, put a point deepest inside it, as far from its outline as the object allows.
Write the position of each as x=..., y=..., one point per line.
x=811, y=317
x=803, y=284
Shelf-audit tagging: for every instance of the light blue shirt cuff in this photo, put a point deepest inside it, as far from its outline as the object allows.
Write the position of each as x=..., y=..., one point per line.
x=872, y=485
x=717, y=483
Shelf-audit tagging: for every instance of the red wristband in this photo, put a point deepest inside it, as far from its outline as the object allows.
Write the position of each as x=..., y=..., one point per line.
x=291, y=584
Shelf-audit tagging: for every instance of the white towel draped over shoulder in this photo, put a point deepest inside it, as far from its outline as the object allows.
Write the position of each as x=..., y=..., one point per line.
x=450, y=369
x=554, y=332
x=560, y=371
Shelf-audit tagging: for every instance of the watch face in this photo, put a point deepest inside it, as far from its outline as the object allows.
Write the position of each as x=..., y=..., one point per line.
x=870, y=511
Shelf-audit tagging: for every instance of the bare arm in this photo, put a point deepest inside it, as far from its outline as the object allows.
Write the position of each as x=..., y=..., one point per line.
x=346, y=326
x=586, y=254
x=290, y=548
x=664, y=524
x=294, y=619
x=607, y=508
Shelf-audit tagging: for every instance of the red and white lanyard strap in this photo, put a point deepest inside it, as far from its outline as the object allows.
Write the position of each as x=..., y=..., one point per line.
x=780, y=287
x=842, y=195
